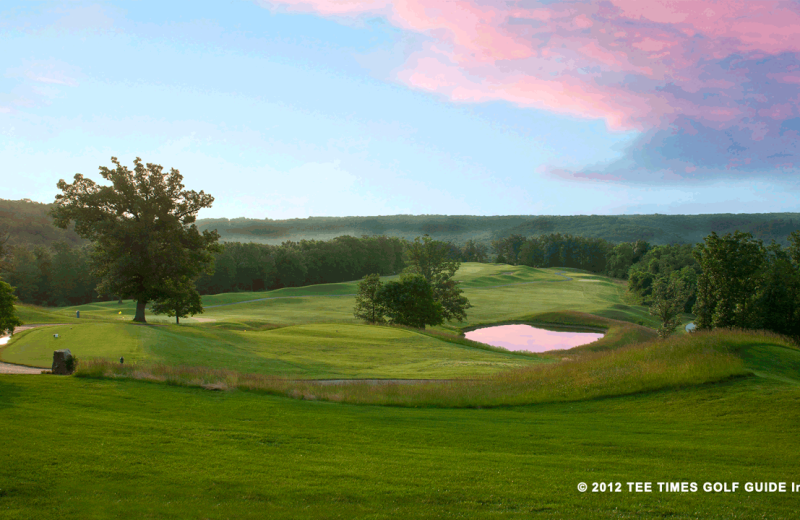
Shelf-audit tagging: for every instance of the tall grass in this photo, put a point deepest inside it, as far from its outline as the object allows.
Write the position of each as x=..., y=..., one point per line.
x=677, y=362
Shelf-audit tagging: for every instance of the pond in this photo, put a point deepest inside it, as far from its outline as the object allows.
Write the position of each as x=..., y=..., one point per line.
x=531, y=339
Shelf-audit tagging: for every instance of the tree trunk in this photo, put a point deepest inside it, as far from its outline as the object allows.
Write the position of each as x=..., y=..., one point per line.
x=139, y=317
x=177, y=320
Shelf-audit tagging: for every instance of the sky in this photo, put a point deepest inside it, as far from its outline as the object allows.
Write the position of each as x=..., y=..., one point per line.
x=297, y=108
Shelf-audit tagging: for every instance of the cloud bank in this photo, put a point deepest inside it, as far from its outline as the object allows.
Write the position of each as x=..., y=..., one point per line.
x=712, y=86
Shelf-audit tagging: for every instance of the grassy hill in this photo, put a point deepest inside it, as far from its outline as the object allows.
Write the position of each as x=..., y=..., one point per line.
x=310, y=332
x=217, y=418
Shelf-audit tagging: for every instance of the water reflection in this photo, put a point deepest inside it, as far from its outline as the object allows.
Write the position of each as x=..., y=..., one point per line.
x=531, y=339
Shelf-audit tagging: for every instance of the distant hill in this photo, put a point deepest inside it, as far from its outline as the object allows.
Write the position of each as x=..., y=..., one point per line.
x=29, y=223
x=656, y=229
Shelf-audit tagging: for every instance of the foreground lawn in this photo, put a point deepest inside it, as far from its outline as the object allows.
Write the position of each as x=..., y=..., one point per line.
x=302, y=351
x=84, y=448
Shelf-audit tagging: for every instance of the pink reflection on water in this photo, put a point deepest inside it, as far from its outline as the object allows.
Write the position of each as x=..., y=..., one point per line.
x=531, y=339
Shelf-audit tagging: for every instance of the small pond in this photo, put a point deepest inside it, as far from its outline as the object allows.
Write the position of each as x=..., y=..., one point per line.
x=531, y=339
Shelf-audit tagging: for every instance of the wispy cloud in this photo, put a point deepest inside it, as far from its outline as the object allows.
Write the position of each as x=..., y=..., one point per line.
x=711, y=85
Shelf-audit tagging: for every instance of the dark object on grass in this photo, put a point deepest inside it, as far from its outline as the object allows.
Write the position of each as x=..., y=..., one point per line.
x=63, y=362
x=121, y=360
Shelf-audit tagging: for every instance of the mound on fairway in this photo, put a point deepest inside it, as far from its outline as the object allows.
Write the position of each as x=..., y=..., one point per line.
x=302, y=351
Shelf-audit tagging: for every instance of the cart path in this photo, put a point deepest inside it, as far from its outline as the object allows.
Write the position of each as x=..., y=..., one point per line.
x=10, y=368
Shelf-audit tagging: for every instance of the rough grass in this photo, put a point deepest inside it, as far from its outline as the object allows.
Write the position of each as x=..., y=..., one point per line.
x=679, y=362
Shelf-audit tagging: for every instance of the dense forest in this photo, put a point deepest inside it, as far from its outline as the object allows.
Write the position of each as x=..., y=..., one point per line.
x=458, y=229
x=29, y=223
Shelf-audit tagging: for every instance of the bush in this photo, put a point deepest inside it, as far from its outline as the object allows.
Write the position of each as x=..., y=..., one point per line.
x=72, y=364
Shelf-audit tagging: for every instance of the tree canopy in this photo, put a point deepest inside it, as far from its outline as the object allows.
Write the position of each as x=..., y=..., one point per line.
x=669, y=298
x=142, y=226
x=432, y=260
x=730, y=280
x=8, y=316
x=367, y=306
x=410, y=301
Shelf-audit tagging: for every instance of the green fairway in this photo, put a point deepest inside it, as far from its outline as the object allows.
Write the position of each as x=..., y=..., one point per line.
x=304, y=351
x=498, y=292
x=78, y=448
x=317, y=335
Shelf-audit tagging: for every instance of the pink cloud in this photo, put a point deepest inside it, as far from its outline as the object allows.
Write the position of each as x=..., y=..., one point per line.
x=585, y=58
x=662, y=65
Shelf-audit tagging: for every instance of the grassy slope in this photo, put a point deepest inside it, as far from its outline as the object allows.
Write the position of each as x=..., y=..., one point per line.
x=77, y=448
x=498, y=292
x=84, y=448
x=313, y=350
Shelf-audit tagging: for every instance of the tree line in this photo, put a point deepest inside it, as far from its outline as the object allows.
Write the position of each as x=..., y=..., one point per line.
x=63, y=274
x=144, y=244
x=734, y=280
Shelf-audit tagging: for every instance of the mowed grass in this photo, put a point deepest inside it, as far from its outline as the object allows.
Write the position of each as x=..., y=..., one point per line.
x=303, y=351
x=498, y=292
x=310, y=332
x=86, y=448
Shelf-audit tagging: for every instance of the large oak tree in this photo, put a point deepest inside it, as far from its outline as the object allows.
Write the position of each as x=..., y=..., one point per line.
x=146, y=244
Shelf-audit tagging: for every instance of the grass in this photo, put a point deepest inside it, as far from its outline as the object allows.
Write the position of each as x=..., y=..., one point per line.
x=495, y=296
x=309, y=332
x=302, y=351
x=87, y=448
x=511, y=438
x=681, y=361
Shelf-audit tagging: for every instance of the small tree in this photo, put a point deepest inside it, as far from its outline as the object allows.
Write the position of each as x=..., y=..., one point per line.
x=182, y=301
x=668, y=301
x=410, y=301
x=8, y=316
x=367, y=305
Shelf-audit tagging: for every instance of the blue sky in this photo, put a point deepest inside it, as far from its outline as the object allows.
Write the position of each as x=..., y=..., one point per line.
x=287, y=111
